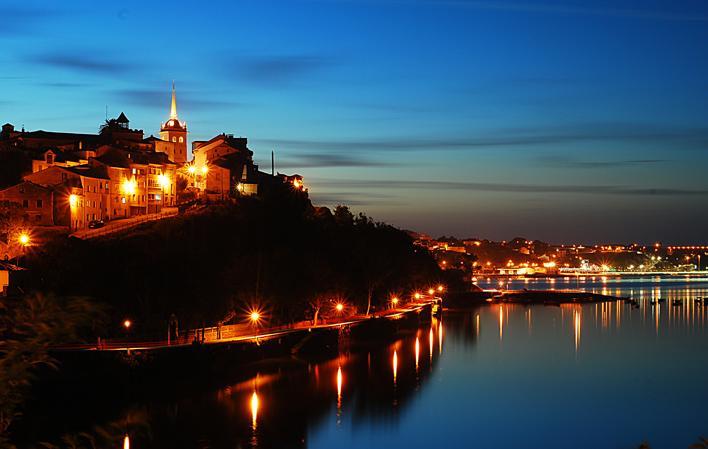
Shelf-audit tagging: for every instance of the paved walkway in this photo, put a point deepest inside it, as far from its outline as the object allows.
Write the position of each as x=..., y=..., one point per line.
x=252, y=334
x=115, y=226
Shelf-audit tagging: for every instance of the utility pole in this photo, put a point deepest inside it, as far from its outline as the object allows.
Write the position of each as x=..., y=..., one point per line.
x=272, y=163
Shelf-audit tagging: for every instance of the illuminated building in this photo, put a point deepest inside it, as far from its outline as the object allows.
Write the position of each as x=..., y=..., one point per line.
x=174, y=131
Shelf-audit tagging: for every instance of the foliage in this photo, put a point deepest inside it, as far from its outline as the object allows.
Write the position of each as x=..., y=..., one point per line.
x=277, y=250
x=29, y=327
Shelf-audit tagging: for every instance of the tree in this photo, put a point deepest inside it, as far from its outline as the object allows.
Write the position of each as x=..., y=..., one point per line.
x=30, y=326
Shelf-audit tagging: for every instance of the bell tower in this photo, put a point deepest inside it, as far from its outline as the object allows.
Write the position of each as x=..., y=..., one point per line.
x=175, y=131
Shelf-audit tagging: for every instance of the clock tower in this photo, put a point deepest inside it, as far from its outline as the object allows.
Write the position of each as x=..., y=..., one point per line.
x=175, y=131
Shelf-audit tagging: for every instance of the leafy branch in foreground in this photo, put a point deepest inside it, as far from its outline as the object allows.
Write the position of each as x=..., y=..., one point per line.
x=29, y=326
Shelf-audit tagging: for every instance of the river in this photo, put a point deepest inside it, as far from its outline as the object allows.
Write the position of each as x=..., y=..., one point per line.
x=499, y=376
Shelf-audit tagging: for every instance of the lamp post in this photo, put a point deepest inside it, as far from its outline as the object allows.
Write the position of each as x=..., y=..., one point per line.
x=24, y=240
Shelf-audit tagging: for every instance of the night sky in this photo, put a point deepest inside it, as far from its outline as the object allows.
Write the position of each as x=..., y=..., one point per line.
x=558, y=120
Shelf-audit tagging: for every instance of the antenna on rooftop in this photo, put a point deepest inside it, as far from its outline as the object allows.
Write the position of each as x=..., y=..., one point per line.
x=272, y=162
x=106, y=112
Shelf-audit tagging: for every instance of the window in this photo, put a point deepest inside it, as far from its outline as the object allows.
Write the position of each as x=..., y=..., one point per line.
x=174, y=139
x=39, y=204
x=135, y=170
x=50, y=158
x=181, y=139
x=172, y=123
x=122, y=200
x=25, y=203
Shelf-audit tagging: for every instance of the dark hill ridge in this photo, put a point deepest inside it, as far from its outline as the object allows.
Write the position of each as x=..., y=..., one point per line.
x=278, y=251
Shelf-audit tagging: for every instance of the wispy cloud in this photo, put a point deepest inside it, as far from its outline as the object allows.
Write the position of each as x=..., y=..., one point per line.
x=506, y=188
x=81, y=61
x=684, y=138
x=557, y=161
x=278, y=70
x=159, y=99
x=21, y=19
x=550, y=8
x=316, y=160
x=357, y=199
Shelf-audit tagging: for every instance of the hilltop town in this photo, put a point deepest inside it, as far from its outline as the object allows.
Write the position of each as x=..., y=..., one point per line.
x=76, y=183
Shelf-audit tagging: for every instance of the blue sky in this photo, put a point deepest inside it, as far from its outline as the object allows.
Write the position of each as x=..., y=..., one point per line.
x=559, y=120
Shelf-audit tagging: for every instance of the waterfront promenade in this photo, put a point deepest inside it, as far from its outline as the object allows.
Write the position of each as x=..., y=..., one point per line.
x=251, y=332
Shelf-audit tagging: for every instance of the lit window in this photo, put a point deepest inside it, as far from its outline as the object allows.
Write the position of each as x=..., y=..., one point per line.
x=174, y=139
x=181, y=139
x=172, y=123
x=122, y=200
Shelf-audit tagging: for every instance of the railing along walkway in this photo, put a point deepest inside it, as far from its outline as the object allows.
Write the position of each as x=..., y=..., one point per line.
x=120, y=225
x=241, y=332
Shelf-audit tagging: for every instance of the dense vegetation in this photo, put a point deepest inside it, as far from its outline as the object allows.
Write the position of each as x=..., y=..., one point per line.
x=277, y=251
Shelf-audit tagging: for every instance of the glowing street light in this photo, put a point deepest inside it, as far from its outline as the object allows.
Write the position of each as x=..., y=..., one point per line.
x=24, y=239
x=255, y=316
x=204, y=170
x=73, y=200
x=192, y=169
x=441, y=288
x=339, y=307
x=129, y=186
x=164, y=181
x=431, y=291
x=127, y=324
x=126, y=442
x=394, y=301
x=416, y=295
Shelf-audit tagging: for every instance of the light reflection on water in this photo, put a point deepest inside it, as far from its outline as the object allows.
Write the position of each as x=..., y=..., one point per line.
x=602, y=375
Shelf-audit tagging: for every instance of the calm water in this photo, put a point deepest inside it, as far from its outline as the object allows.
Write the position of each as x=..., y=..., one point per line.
x=593, y=376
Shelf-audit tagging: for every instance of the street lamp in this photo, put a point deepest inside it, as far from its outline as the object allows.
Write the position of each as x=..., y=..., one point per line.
x=128, y=186
x=339, y=307
x=416, y=295
x=127, y=324
x=431, y=291
x=24, y=239
x=394, y=301
x=164, y=181
x=441, y=288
